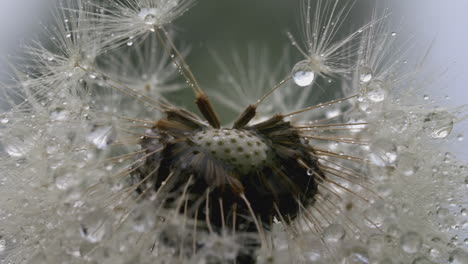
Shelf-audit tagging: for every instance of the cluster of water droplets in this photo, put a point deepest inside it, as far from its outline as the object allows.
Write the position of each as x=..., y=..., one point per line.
x=372, y=89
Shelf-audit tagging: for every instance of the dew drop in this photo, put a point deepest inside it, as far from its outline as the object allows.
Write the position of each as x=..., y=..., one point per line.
x=393, y=34
x=16, y=147
x=94, y=228
x=426, y=97
x=3, y=245
x=150, y=19
x=310, y=172
x=334, y=233
x=130, y=43
x=365, y=74
x=4, y=120
x=302, y=73
x=59, y=115
x=411, y=242
x=375, y=91
x=438, y=125
x=407, y=164
x=101, y=137
x=384, y=153
x=356, y=256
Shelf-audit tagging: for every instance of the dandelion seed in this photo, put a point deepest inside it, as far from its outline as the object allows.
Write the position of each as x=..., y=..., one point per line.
x=324, y=54
x=125, y=21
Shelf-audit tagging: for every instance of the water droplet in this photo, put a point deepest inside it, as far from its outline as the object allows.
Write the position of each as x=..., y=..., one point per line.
x=130, y=43
x=375, y=91
x=334, y=233
x=59, y=114
x=150, y=19
x=3, y=244
x=310, y=172
x=4, y=120
x=393, y=34
x=16, y=147
x=68, y=35
x=411, y=242
x=302, y=73
x=94, y=228
x=460, y=137
x=356, y=256
x=408, y=164
x=384, y=153
x=438, y=125
x=333, y=113
x=102, y=136
x=426, y=97
x=365, y=74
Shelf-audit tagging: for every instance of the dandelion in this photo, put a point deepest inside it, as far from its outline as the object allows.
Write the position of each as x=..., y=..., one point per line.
x=102, y=166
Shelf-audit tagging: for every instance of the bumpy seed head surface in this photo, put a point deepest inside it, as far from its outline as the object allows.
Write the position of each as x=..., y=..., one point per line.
x=243, y=149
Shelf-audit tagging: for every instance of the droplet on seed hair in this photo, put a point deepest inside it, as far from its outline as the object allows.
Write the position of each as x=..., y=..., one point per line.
x=150, y=19
x=16, y=147
x=356, y=256
x=383, y=153
x=438, y=125
x=411, y=242
x=365, y=74
x=375, y=91
x=3, y=244
x=302, y=73
x=102, y=136
x=334, y=233
x=94, y=228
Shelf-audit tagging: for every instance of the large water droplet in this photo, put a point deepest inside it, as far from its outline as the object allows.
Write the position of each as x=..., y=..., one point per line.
x=334, y=233
x=365, y=74
x=411, y=242
x=16, y=147
x=375, y=91
x=102, y=136
x=383, y=153
x=150, y=19
x=94, y=228
x=148, y=15
x=302, y=73
x=438, y=124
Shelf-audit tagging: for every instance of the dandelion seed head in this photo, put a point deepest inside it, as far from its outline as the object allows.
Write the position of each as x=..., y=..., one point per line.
x=100, y=168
